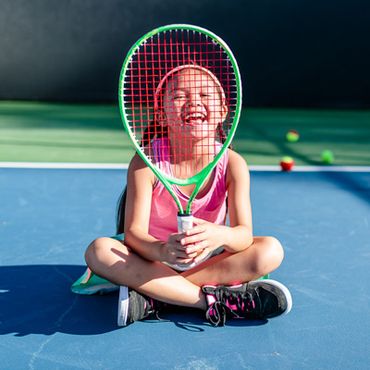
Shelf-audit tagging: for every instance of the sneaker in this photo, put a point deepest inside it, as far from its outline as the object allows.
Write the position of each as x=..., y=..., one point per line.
x=89, y=283
x=132, y=306
x=259, y=299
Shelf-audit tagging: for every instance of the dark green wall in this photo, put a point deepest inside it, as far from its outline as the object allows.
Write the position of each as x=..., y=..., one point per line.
x=293, y=53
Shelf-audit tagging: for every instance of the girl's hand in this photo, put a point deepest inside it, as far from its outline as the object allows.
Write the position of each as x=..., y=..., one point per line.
x=174, y=251
x=203, y=238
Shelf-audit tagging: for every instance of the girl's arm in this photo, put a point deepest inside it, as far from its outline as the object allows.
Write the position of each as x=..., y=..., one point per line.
x=140, y=182
x=240, y=210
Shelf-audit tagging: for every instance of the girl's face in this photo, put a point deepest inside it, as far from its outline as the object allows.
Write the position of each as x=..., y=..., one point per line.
x=193, y=104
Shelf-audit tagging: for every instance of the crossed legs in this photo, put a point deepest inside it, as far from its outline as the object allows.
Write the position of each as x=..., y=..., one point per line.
x=111, y=259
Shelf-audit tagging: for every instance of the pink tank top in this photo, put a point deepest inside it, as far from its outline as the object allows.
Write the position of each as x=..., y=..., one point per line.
x=211, y=206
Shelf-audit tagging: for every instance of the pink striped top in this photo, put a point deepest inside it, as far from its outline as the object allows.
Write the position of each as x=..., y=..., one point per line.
x=211, y=206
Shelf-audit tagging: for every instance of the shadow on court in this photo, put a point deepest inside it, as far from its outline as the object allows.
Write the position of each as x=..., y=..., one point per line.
x=36, y=299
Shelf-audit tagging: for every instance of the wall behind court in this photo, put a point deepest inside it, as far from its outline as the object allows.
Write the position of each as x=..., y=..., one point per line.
x=291, y=53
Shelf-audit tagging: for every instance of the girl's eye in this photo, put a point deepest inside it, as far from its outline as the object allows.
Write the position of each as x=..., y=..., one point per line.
x=179, y=96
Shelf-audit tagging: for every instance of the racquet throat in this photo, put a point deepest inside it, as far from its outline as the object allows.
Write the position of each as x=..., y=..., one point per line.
x=187, y=168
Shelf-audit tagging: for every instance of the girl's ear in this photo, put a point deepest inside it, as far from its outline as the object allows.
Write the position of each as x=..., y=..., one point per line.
x=224, y=111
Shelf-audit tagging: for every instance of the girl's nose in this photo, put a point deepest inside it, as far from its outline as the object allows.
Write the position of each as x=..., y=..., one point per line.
x=194, y=100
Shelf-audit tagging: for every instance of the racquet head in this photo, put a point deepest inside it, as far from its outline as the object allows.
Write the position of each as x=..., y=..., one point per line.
x=180, y=101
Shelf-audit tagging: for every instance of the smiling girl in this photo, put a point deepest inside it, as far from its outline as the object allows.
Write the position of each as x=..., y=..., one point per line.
x=215, y=266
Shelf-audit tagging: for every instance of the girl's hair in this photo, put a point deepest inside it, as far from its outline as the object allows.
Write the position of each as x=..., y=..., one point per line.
x=150, y=132
x=120, y=217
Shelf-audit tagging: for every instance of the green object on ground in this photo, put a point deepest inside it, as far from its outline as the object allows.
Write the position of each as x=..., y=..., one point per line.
x=327, y=156
x=292, y=136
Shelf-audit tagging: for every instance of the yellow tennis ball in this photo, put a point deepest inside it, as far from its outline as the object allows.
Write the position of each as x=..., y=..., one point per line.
x=292, y=136
x=287, y=163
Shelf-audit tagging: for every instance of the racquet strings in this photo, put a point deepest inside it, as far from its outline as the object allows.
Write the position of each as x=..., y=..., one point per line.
x=156, y=67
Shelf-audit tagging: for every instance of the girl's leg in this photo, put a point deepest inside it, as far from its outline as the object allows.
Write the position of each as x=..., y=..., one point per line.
x=112, y=260
x=262, y=257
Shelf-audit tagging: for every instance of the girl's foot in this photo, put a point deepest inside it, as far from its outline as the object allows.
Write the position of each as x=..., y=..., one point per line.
x=259, y=299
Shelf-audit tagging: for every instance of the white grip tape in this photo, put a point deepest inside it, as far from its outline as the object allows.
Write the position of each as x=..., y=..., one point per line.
x=184, y=223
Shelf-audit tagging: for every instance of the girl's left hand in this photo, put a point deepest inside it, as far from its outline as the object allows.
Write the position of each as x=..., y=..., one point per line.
x=203, y=238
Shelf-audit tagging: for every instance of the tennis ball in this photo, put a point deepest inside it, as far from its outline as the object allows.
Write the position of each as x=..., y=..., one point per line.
x=286, y=163
x=292, y=136
x=327, y=157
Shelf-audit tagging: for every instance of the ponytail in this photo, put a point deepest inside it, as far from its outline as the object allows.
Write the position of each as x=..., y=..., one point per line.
x=120, y=217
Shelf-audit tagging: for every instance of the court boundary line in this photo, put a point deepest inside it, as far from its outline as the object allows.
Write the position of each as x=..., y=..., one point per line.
x=65, y=165
x=124, y=166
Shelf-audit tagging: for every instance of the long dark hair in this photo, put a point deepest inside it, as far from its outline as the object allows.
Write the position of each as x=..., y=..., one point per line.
x=120, y=216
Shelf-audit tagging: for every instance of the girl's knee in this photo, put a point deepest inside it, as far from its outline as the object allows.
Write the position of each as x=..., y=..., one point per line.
x=96, y=250
x=274, y=248
x=268, y=256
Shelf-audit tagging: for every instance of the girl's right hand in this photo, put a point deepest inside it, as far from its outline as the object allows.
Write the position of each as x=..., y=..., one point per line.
x=173, y=252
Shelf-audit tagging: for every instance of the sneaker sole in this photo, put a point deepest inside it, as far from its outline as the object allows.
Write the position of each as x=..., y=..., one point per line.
x=95, y=289
x=283, y=288
x=123, y=301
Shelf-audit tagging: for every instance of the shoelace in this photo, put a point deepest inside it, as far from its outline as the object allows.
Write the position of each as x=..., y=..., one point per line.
x=155, y=309
x=216, y=314
x=236, y=303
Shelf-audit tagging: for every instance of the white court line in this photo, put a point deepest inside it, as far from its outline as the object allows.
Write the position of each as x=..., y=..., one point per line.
x=314, y=168
x=124, y=166
x=60, y=165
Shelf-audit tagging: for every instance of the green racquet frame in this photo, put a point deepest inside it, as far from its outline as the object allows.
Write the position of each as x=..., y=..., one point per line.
x=200, y=177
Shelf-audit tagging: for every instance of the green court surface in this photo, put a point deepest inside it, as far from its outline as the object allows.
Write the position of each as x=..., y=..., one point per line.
x=44, y=132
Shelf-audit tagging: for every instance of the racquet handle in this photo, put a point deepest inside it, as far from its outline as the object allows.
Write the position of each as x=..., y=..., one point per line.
x=184, y=222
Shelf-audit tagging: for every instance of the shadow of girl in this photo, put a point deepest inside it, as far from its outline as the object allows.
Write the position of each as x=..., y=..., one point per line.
x=36, y=299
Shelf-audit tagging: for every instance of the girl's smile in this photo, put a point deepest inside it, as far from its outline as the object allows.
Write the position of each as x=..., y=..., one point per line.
x=194, y=118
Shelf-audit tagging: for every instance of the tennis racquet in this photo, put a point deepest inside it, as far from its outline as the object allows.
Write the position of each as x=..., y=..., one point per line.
x=162, y=72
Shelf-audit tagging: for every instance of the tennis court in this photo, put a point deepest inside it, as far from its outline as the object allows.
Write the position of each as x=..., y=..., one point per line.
x=64, y=157
x=48, y=216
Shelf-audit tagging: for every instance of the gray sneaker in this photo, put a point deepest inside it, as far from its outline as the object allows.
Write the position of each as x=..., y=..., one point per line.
x=132, y=306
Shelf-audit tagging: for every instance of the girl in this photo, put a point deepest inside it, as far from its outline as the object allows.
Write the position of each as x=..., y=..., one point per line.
x=212, y=267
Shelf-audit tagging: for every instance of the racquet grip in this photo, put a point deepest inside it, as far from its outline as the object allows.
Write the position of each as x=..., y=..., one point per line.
x=184, y=222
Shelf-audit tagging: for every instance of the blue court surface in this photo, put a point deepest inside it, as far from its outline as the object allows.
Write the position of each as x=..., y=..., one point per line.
x=49, y=216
